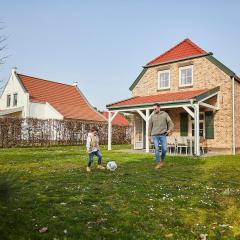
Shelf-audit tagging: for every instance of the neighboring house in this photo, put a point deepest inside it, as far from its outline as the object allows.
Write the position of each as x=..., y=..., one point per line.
x=30, y=97
x=119, y=119
x=200, y=94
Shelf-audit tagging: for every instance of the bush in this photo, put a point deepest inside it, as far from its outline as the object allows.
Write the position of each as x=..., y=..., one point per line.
x=19, y=132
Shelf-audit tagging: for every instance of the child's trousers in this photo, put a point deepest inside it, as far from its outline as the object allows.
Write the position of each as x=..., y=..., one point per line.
x=91, y=155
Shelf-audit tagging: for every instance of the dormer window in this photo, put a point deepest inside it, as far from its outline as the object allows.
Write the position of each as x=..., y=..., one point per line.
x=164, y=79
x=8, y=100
x=15, y=95
x=186, y=76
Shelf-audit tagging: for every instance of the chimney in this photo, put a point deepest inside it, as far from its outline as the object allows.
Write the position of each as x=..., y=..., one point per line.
x=75, y=84
x=14, y=70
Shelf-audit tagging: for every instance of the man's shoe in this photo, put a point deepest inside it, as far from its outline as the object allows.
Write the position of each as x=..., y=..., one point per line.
x=88, y=169
x=159, y=165
x=100, y=167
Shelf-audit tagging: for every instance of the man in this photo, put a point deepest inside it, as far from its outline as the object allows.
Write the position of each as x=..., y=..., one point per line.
x=160, y=126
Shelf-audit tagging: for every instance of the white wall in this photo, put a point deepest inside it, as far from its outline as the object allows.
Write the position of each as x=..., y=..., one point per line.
x=30, y=109
x=43, y=111
x=37, y=110
x=14, y=86
x=52, y=113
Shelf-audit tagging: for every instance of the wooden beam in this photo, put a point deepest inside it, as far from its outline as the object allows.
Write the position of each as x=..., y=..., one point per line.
x=196, y=131
x=142, y=115
x=113, y=116
x=208, y=106
x=191, y=113
x=109, y=131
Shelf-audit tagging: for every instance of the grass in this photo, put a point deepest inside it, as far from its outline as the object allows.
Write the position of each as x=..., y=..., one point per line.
x=49, y=187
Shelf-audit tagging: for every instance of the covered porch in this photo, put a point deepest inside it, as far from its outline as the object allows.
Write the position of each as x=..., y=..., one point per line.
x=191, y=111
x=12, y=112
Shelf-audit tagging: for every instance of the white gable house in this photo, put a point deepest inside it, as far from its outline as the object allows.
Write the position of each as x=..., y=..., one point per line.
x=30, y=97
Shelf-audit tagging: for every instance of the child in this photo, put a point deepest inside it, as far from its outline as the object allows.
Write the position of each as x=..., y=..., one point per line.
x=93, y=149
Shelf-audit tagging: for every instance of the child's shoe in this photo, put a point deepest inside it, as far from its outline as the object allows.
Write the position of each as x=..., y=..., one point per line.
x=99, y=166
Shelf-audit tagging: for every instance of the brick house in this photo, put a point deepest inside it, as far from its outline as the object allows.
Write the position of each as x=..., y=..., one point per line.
x=30, y=97
x=201, y=95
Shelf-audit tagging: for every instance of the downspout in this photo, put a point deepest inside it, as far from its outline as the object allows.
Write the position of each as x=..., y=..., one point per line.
x=233, y=118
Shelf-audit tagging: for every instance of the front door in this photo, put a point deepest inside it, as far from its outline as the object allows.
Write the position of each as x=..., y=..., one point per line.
x=138, y=132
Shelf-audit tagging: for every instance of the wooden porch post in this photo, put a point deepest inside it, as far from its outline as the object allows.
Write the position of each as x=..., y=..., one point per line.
x=147, y=123
x=196, y=130
x=109, y=131
x=110, y=118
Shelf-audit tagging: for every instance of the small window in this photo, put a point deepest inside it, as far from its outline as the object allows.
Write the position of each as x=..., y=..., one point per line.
x=186, y=76
x=8, y=100
x=164, y=79
x=15, y=99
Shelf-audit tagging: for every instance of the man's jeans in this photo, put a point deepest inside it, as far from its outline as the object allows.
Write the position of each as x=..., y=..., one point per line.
x=91, y=155
x=160, y=140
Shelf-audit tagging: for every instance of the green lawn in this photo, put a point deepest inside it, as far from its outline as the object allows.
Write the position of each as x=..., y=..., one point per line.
x=48, y=187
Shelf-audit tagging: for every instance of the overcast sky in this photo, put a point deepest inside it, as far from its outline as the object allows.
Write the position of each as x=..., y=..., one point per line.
x=104, y=44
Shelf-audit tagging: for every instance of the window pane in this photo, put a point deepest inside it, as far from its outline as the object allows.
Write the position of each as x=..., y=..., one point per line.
x=186, y=76
x=201, y=129
x=15, y=99
x=164, y=80
x=8, y=100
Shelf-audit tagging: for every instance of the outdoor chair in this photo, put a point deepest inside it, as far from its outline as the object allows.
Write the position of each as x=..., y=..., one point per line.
x=171, y=144
x=182, y=143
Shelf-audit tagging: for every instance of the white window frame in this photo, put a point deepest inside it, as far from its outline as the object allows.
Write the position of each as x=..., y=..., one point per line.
x=180, y=75
x=14, y=105
x=169, y=83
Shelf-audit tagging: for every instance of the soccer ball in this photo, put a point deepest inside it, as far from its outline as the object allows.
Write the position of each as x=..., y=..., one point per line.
x=112, y=166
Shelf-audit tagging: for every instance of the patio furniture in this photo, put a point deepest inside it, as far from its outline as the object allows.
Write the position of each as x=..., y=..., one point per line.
x=182, y=143
x=171, y=144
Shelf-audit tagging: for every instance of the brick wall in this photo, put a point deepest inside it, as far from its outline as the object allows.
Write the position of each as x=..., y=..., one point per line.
x=205, y=76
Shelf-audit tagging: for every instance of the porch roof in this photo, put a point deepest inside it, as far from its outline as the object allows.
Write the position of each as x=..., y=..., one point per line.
x=166, y=99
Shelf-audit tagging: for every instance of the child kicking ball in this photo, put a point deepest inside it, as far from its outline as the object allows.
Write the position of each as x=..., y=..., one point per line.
x=93, y=149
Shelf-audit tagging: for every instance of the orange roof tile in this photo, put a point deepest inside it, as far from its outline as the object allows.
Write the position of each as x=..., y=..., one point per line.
x=159, y=98
x=118, y=120
x=66, y=99
x=184, y=49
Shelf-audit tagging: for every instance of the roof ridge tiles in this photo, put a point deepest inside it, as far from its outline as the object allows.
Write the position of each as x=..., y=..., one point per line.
x=197, y=49
x=41, y=79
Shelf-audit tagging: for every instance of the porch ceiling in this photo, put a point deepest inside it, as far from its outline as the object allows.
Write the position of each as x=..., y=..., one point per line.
x=9, y=111
x=169, y=99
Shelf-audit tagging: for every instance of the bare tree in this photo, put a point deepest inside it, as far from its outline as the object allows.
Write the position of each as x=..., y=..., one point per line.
x=2, y=51
x=2, y=45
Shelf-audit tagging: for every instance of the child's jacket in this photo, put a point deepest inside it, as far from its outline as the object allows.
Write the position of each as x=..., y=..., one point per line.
x=92, y=143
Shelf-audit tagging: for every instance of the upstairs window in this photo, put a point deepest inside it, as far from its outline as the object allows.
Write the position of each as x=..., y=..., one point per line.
x=8, y=100
x=164, y=79
x=186, y=76
x=15, y=95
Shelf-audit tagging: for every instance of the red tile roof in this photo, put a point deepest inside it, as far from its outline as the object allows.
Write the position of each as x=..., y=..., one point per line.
x=118, y=120
x=160, y=98
x=66, y=99
x=184, y=49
